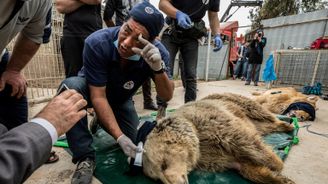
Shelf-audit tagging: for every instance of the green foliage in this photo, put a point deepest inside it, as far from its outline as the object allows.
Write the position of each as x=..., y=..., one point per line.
x=277, y=8
x=313, y=5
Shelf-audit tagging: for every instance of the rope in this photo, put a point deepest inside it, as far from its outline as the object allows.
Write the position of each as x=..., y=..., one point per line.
x=313, y=132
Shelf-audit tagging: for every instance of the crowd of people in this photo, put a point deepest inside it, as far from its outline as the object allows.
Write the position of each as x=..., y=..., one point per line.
x=250, y=58
x=104, y=68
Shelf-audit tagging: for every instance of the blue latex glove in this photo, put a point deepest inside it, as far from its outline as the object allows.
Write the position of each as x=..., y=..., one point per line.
x=183, y=20
x=217, y=43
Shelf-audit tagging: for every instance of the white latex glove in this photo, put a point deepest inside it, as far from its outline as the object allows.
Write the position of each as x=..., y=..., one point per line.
x=150, y=54
x=127, y=146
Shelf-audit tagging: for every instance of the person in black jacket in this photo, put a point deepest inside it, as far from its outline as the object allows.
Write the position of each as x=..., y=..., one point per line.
x=255, y=58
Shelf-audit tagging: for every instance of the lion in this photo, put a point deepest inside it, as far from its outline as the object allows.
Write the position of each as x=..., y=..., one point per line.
x=279, y=100
x=216, y=133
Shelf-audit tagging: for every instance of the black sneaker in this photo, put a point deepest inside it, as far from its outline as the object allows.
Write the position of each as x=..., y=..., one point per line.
x=247, y=83
x=84, y=172
x=150, y=106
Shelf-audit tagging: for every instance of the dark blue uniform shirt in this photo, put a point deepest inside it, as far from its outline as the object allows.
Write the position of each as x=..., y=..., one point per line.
x=196, y=9
x=101, y=66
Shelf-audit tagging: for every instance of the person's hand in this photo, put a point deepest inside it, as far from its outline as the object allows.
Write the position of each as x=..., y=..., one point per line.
x=127, y=146
x=150, y=54
x=16, y=80
x=217, y=42
x=183, y=20
x=64, y=110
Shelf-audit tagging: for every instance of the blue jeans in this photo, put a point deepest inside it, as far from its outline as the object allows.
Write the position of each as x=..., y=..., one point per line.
x=241, y=66
x=189, y=52
x=245, y=66
x=79, y=137
x=253, y=72
x=13, y=111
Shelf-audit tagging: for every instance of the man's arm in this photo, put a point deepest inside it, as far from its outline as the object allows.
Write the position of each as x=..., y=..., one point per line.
x=27, y=147
x=168, y=8
x=104, y=111
x=213, y=18
x=23, y=52
x=23, y=150
x=109, y=12
x=68, y=6
x=164, y=86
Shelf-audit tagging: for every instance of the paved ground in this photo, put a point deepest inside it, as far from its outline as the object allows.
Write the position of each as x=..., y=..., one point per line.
x=306, y=164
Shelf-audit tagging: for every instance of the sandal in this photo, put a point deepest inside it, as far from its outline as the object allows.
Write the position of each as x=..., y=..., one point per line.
x=53, y=157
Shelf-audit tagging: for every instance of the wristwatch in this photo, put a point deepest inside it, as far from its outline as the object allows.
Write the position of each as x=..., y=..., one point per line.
x=159, y=71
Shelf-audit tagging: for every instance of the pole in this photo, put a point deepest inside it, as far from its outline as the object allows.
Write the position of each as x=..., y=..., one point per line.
x=208, y=54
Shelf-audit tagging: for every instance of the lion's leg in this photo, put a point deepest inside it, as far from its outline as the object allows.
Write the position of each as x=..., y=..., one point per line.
x=265, y=127
x=263, y=175
x=253, y=150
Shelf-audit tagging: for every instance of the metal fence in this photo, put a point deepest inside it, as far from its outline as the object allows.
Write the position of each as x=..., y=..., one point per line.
x=297, y=31
x=301, y=67
x=45, y=71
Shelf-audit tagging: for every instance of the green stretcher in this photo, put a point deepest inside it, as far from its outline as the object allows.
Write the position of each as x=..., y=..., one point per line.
x=112, y=166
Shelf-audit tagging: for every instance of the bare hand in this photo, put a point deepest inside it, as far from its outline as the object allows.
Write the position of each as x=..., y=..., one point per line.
x=16, y=80
x=64, y=110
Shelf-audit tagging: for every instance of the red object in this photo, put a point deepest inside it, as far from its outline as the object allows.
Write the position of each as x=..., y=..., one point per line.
x=320, y=43
x=230, y=29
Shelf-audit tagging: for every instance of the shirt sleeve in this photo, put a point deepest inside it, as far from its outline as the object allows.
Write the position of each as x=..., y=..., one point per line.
x=95, y=66
x=48, y=126
x=214, y=5
x=39, y=28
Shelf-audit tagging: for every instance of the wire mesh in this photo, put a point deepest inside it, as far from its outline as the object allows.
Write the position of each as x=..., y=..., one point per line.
x=302, y=67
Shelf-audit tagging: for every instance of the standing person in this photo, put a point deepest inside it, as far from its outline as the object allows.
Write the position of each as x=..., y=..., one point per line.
x=255, y=58
x=82, y=17
x=241, y=65
x=27, y=147
x=118, y=9
x=32, y=19
x=121, y=8
x=117, y=61
x=186, y=27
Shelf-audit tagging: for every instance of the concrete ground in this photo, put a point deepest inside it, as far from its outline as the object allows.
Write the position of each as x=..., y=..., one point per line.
x=307, y=162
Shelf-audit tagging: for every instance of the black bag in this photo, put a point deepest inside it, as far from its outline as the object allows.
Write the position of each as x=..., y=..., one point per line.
x=197, y=31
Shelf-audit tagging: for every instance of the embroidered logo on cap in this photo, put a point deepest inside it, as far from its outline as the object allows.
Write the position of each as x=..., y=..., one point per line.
x=149, y=10
x=128, y=85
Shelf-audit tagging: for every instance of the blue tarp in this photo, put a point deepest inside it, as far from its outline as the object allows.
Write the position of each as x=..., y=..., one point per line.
x=268, y=72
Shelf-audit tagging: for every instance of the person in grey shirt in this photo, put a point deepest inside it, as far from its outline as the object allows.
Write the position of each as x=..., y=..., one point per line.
x=32, y=19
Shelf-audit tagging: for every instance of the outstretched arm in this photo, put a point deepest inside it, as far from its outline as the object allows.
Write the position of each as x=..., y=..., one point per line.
x=27, y=147
x=68, y=6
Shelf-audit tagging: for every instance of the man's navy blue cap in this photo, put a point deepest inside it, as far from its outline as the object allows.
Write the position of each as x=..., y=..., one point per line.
x=147, y=15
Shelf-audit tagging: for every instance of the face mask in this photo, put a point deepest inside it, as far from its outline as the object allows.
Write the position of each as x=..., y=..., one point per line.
x=135, y=57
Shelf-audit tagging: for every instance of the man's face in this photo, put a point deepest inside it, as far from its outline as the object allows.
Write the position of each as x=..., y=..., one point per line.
x=128, y=37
